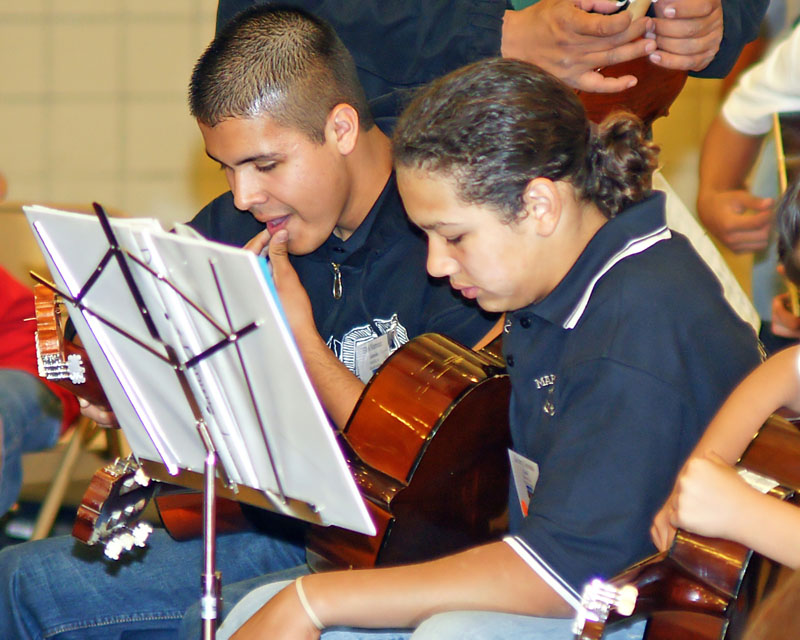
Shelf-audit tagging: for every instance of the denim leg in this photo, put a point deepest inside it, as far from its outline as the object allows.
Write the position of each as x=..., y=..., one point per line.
x=486, y=625
x=31, y=421
x=59, y=588
x=455, y=625
x=270, y=585
x=232, y=594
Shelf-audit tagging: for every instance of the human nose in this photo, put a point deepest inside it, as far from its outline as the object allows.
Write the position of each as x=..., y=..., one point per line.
x=247, y=192
x=440, y=263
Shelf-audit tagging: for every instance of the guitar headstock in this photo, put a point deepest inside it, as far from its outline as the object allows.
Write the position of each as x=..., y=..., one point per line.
x=59, y=360
x=111, y=506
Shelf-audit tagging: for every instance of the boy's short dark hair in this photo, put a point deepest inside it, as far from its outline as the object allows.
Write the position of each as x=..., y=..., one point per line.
x=787, y=216
x=277, y=61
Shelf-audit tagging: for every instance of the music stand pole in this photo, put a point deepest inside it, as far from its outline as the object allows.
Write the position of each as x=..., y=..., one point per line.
x=211, y=578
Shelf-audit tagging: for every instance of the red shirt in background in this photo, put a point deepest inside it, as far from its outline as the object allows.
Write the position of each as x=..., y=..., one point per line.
x=18, y=342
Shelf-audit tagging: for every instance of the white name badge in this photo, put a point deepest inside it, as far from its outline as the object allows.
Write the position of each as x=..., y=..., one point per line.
x=371, y=354
x=526, y=474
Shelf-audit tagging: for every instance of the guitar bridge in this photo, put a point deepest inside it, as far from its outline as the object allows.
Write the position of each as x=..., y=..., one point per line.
x=599, y=598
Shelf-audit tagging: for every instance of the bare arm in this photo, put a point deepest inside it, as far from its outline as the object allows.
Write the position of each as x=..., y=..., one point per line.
x=774, y=384
x=337, y=387
x=489, y=578
x=729, y=211
x=563, y=38
x=712, y=500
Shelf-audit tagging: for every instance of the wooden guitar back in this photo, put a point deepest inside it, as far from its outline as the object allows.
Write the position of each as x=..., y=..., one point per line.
x=428, y=447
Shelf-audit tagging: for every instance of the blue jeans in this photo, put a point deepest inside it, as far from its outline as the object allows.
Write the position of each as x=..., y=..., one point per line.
x=30, y=420
x=60, y=588
x=455, y=625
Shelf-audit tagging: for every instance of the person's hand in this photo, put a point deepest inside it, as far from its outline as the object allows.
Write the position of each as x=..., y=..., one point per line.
x=784, y=323
x=294, y=299
x=738, y=219
x=687, y=33
x=282, y=617
x=661, y=531
x=707, y=497
x=562, y=37
x=103, y=416
x=259, y=243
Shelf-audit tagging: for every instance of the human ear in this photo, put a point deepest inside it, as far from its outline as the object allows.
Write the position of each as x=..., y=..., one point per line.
x=342, y=127
x=542, y=205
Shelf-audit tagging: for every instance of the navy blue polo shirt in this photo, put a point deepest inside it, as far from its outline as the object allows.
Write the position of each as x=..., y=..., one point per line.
x=383, y=286
x=615, y=375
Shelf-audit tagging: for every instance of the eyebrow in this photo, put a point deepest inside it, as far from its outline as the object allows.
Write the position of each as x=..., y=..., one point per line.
x=437, y=225
x=271, y=157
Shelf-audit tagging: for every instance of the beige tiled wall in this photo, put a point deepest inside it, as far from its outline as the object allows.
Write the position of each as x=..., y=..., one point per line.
x=93, y=104
x=680, y=135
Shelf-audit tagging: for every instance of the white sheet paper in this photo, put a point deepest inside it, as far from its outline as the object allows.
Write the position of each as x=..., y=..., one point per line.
x=277, y=412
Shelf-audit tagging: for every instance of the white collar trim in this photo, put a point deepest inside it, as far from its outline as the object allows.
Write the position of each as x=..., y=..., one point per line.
x=634, y=246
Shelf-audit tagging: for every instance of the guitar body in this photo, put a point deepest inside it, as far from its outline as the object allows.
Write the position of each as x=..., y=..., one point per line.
x=427, y=444
x=653, y=94
x=181, y=513
x=703, y=588
x=650, y=99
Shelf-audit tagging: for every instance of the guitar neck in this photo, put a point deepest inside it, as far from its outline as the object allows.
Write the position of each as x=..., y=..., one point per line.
x=786, y=127
x=707, y=579
x=638, y=8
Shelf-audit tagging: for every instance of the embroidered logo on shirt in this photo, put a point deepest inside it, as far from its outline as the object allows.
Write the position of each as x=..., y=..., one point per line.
x=359, y=351
x=545, y=381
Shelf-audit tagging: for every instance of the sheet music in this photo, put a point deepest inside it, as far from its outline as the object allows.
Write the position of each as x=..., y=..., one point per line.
x=253, y=393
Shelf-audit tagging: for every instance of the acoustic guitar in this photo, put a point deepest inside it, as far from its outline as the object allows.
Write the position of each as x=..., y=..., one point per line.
x=427, y=444
x=651, y=97
x=701, y=588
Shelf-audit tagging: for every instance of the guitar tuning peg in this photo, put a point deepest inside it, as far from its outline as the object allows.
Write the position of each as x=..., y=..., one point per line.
x=140, y=534
x=113, y=548
x=141, y=477
x=599, y=598
x=626, y=599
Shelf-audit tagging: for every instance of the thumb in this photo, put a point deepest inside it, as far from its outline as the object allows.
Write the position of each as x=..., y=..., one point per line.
x=714, y=457
x=259, y=243
x=279, y=249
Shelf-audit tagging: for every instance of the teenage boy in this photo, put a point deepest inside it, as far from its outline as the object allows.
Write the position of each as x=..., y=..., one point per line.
x=278, y=103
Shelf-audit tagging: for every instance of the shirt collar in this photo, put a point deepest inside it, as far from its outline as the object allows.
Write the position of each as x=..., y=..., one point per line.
x=635, y=230
x=335, y=249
